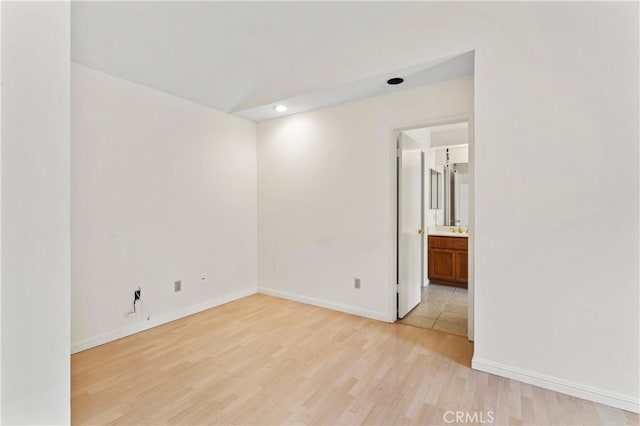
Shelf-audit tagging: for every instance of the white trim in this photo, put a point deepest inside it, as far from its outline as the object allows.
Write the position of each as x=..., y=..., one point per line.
x=380, y=316
x=602, y=396
x=471, y=249
x=158, y=320
x=0, y=216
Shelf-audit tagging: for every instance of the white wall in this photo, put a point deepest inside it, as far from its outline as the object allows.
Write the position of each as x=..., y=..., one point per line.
x=433, y=215
x=457, y=154
x=556, y=226
x=325, y=182
x=456, y=136
x=0, y=213
x=162, y=189
x=35, y=213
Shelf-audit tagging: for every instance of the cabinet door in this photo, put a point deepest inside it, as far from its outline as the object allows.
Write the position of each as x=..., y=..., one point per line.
x=441, y=264
x=461, y=266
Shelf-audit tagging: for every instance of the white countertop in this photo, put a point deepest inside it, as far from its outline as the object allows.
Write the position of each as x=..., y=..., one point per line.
x=440, y=233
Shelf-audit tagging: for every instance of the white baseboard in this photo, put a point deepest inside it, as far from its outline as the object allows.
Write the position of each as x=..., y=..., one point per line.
x=612, y=399
x=325, y=304
x=157, y=320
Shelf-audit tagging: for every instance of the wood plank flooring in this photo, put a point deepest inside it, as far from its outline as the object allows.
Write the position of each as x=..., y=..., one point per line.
x=267, y=361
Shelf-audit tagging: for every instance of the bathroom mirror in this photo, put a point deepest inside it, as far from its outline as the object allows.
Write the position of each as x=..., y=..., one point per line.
x=456, y=195
x=435, y=190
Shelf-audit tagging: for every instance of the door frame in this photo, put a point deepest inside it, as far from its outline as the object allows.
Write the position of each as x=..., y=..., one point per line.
x=393, y=159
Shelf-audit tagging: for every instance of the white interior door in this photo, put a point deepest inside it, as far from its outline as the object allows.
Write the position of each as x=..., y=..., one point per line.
x=410, y=228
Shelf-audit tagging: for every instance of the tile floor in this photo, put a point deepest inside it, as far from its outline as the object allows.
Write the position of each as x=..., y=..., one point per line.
x=442, y=308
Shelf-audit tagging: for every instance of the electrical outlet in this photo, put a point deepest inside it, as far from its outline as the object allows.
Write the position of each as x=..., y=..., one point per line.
x=177, y=286
x=356, y=283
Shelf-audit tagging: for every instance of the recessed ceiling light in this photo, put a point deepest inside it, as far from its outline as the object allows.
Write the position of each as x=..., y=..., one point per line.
x=395, y=80
x=280, y=108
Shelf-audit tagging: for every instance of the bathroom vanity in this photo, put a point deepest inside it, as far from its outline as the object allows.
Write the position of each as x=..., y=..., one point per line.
x=448, y=259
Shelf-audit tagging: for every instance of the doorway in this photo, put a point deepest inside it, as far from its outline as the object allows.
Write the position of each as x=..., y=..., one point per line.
x=434, y=251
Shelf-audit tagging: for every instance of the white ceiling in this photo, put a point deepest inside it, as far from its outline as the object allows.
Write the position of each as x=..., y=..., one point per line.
x=448, y=127
x=444, y=135
x=238, y=57
x=420, y=75
x=215, y=53
x=422, y=135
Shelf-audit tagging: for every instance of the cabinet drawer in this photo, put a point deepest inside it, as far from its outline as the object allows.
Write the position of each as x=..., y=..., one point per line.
x=456, y=243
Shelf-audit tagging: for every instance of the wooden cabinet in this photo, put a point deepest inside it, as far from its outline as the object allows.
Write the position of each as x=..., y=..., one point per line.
x=448, y=260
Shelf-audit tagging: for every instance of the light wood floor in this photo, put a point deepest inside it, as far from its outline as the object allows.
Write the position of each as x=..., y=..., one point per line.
x=262, y=360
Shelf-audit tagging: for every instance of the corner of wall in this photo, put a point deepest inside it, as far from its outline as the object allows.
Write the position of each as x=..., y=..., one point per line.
x=353, y=310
